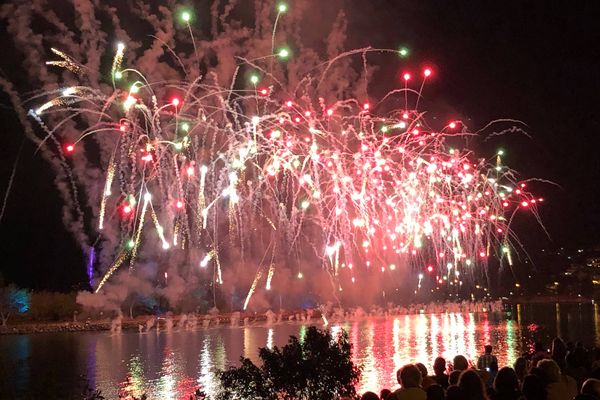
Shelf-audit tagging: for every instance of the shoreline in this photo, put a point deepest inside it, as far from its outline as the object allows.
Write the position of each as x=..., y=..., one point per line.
x=168, y=322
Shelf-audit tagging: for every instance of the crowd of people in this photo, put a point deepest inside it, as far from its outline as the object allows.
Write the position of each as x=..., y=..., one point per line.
x=566, y=371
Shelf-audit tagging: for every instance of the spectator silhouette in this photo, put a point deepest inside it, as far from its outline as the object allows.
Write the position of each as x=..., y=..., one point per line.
x=486, y=360
x=471, y=386
x=533, y=388
x=520, y=367
x=591, y=387
x=540, y=353
x=559, y=386
x=409, y=377
x=453, y=378
x=439, y=370
x=559, y=352
x=574, y=369
x=435, y=392
x=460, y=363
x=369, y=396
x=427, y=380
x=383, y=395
x=454, y=393
x=506, y=385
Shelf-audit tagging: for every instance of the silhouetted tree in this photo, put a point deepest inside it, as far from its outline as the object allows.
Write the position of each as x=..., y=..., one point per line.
x=318, y=368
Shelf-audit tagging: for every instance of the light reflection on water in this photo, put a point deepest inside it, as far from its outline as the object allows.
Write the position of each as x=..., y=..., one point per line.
x=172, y=366
x=383, y=346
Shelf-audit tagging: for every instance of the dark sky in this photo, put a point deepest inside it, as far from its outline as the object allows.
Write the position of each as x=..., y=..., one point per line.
x=538, y=62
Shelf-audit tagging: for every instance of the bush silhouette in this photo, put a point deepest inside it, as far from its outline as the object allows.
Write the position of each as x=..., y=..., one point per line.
x=318, y=368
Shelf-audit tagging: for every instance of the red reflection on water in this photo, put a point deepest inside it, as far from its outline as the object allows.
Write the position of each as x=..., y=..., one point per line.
x=381, y=345
x=422, y=338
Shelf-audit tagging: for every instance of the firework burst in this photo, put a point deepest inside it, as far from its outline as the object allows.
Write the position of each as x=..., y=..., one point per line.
x=267, y=168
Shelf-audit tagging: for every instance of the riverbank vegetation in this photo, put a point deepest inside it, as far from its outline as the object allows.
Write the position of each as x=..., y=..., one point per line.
x=318, y=366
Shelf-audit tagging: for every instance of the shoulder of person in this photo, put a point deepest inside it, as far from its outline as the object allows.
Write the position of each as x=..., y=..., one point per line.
x=393, y=395
x=417, y=393
x=569, y=379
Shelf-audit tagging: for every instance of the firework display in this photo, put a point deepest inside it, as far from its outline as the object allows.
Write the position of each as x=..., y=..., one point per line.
x=267, y=169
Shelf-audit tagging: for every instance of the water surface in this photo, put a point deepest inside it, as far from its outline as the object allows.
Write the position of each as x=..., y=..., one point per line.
x=172, y=365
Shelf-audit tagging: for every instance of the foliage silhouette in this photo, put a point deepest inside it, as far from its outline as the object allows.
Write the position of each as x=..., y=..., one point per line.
x=318, y=368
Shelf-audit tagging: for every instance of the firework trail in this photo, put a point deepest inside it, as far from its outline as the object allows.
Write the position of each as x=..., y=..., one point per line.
x=277, y=150
x=10, y=181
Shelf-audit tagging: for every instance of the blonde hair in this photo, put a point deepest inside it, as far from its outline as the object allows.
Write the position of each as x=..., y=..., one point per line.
x=551, y=369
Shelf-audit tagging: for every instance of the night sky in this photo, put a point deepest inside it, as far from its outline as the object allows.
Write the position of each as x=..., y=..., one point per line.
x=538, y=62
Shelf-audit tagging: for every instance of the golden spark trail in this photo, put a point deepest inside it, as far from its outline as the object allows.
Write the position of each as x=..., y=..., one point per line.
x=106, y=192
x=136, y=241
x=111, y=270
x=118, y=59
x=219, y=273
x=207, y=258
x=252, y=289
x=159, y=230
x=67, y=62
x=270, y=276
